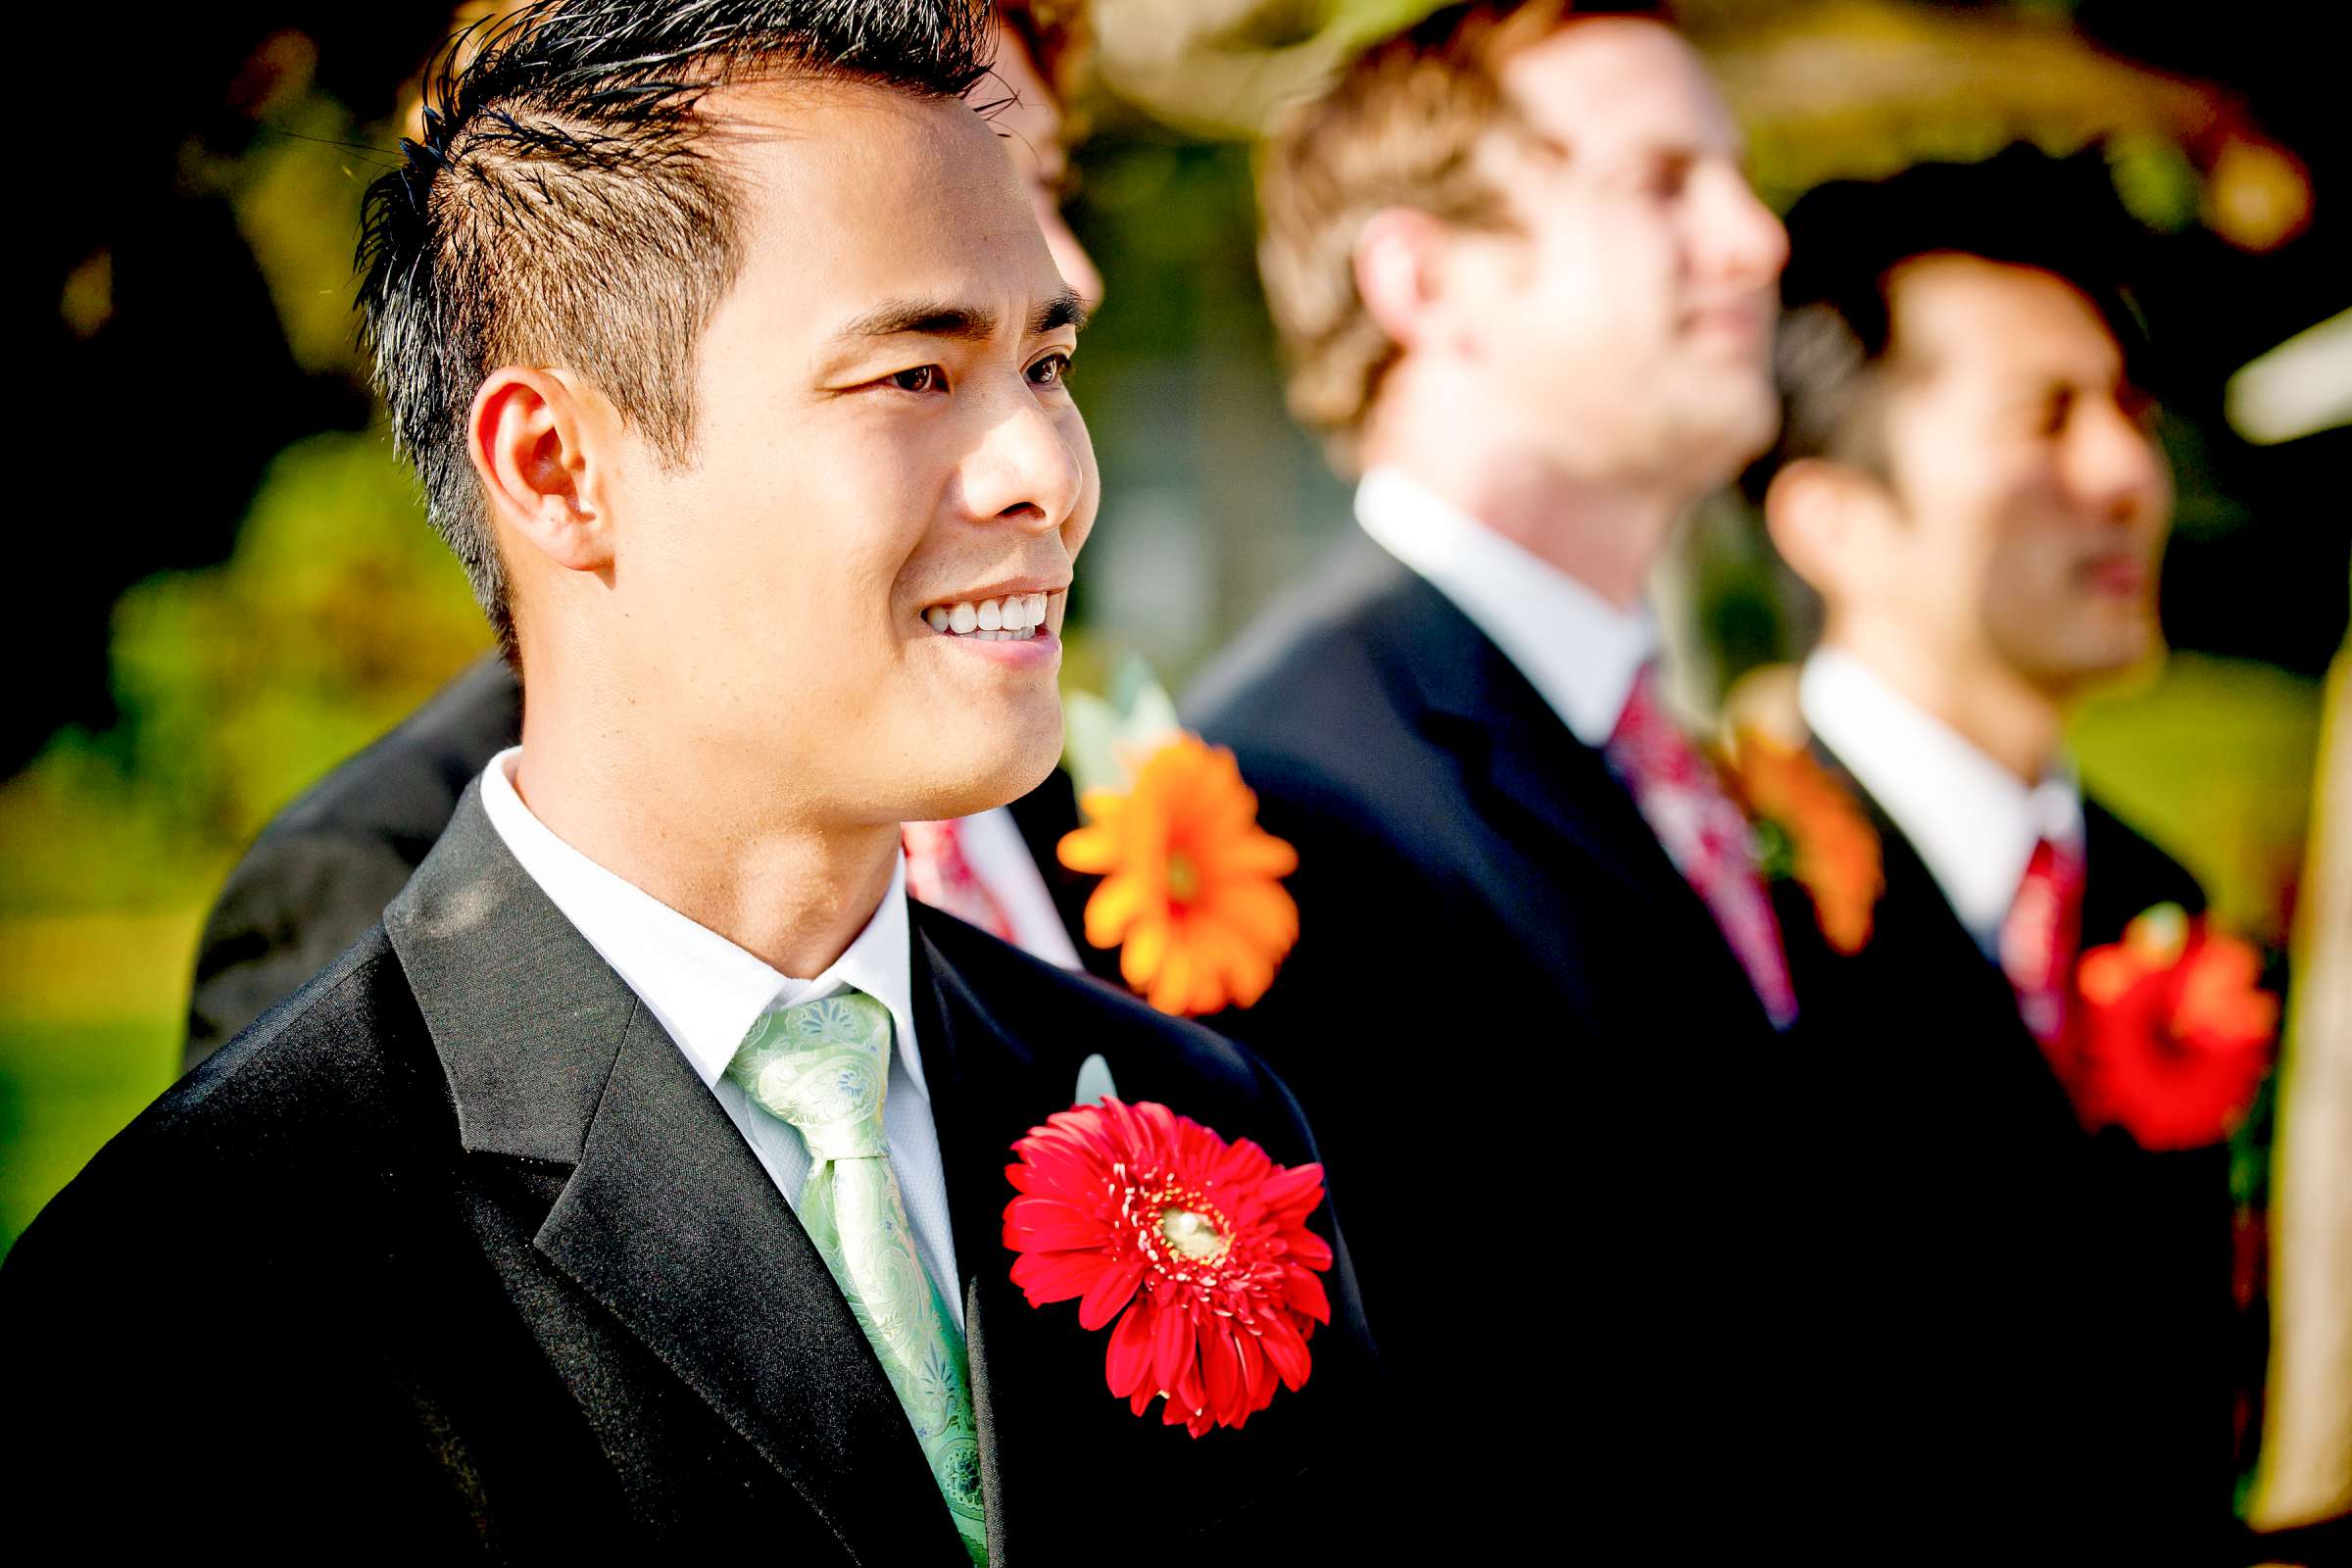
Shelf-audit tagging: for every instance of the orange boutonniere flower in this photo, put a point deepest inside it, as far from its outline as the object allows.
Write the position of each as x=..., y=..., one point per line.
x=2175, y=1031
x=1811, y=829
x=1192, y=893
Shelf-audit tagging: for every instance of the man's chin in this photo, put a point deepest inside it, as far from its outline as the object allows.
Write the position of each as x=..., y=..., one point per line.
x=994, y=779
x=1723, y=432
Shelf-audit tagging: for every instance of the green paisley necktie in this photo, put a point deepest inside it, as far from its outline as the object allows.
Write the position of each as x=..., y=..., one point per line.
x=822, y=1066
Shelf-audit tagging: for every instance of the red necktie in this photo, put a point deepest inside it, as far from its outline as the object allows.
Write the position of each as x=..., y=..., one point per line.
x=938, y=874
x=1705, y=835
x=2040, y=937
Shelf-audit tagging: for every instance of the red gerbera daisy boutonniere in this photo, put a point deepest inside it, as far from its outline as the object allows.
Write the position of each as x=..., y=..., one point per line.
x=1193, y=1251
x=2175, y=1031
x=1809, y=829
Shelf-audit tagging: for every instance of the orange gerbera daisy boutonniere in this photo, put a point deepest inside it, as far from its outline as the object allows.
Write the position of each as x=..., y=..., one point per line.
x=1192, y=889
x=1810, y=829
x=2175, y=1031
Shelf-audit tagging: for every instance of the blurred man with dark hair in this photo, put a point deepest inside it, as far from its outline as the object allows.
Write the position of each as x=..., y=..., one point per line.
x=1538, y=986
x=640, y=1181
x=1969, y=480
x=325, y=867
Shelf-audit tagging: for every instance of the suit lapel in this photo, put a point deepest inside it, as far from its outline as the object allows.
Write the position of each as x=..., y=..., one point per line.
x=666, y=1220
x=1994, y=1080
x=1465, y=697
x=1061, y=1456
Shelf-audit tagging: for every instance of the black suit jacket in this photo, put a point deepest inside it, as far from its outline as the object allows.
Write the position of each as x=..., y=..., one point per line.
x=2051, y=1309
x=1557, y=1118
x=485, y=1265
x=323, y=870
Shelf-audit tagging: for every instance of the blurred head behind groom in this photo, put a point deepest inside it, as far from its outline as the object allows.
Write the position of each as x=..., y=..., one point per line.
x=1514, y=253
x=1527, y=293
x=1970, y=476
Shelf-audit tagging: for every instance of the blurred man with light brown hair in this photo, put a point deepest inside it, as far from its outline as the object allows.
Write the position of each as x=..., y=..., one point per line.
x=1539, y=990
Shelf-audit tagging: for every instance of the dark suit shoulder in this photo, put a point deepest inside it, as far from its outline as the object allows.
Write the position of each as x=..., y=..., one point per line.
x=323, y=870
x=1311, y=663
x=2128, y=873
x=335, y=1081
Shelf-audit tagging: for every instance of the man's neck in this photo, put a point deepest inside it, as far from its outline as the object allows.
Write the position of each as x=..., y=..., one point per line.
x=1991, y=709
x=1607, y=537
x=793, y=893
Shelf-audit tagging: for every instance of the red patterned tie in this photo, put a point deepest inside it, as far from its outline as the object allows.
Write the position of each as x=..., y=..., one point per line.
x=1704, y=834
x=938, y=874
x=2040, y=937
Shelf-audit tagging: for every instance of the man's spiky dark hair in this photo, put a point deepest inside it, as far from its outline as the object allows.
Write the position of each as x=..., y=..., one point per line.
x=558, y=211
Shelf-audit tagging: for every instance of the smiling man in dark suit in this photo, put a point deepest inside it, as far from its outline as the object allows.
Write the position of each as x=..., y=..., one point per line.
x=323, y=870
x=1528, y=294
x=1970, y=480
x=640, y=1180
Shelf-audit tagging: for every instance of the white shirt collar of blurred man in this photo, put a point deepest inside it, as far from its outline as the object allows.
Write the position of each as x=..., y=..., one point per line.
x=1579, y=651
x=1972, y=822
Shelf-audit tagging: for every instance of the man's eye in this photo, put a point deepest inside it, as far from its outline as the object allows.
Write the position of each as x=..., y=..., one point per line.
x=1051, y=370
x=923, y=378
x=2057, y=408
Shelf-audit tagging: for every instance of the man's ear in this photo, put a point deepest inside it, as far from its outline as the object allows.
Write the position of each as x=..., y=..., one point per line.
x=1819, y=512
x=534, y=437
x=1400, y=270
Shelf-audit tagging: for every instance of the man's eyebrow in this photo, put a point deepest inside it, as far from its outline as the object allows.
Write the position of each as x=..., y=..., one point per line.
x=939, y=319
x=1064, y=309
x=921, y=319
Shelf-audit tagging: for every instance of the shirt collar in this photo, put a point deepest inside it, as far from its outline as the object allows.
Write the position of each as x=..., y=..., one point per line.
x=1974, y=822
x=1579, y=651
x=703, y=989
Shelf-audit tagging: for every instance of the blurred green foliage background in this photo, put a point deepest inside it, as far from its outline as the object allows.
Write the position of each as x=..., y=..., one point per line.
x=236, y=589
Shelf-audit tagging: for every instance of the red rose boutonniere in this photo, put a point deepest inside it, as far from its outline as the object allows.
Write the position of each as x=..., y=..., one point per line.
x=2175, y=1031
x=1810, y=829
x=1195, y=1251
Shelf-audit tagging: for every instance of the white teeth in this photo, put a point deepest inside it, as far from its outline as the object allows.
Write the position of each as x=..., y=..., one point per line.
x=1014, y=617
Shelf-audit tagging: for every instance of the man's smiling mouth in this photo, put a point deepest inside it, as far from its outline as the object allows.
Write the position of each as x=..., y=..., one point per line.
x=1008, y=617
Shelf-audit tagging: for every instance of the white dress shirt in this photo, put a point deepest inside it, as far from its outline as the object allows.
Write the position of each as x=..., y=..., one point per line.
x=1972, y=822
x=992, y=846
x=1579, y=651
x=708, y=992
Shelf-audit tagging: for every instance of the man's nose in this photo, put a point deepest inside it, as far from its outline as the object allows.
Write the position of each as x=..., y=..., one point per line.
x=1023, y=467
x=1740, y=240
x=2114, y=466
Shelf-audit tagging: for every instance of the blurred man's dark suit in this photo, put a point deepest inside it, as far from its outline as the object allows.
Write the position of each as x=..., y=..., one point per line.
x=2051, y=1309
x=481, y=1264
x=324, y=868
x=1558, y=1097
